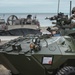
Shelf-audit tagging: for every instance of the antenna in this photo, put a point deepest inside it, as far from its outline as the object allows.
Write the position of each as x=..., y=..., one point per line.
x=70, y=7
x=58, y=6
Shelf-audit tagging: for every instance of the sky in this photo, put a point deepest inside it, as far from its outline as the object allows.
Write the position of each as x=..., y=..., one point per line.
x=35, y=6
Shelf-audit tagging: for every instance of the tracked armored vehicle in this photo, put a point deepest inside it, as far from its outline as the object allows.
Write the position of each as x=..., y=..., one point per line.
x=38, y=55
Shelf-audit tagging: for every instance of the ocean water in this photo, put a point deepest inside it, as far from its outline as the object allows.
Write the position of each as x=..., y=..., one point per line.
x=40, y=17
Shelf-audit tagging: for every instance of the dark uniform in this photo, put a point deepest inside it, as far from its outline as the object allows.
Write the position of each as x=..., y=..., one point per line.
x=73, y=17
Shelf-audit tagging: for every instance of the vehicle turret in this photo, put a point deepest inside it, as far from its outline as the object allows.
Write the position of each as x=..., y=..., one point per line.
x=64, y=24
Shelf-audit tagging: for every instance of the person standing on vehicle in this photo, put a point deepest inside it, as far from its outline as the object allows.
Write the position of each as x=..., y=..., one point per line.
x=73, y=17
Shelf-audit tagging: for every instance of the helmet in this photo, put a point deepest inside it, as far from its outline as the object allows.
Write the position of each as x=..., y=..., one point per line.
x=73, y=10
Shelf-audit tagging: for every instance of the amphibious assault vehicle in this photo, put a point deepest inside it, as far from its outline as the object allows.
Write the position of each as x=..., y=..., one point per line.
x=39, y=55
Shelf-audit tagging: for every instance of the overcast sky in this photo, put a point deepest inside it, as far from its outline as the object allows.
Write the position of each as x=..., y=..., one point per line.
x=34, y=6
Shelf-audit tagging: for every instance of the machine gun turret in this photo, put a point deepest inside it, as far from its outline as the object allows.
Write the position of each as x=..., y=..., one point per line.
x=64, y=24
x=61, y=20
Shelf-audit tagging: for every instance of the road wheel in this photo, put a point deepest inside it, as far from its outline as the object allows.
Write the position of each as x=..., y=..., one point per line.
x=68, y=70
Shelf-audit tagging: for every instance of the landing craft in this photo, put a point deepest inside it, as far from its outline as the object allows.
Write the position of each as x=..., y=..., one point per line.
x=13, y=22
x=19, y=26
